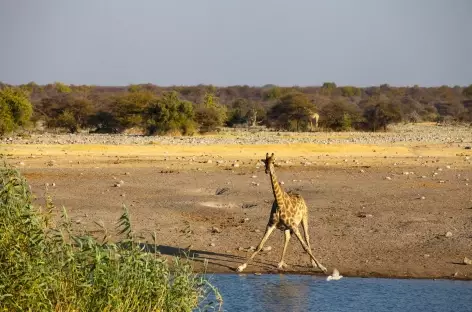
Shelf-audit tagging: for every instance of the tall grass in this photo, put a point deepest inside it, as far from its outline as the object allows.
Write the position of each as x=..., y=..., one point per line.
x=44, y=266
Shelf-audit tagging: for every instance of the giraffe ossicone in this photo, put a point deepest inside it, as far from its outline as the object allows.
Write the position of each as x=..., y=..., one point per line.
x=288, y=211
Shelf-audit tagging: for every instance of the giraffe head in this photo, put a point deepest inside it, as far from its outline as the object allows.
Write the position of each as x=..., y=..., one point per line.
x=269, y=162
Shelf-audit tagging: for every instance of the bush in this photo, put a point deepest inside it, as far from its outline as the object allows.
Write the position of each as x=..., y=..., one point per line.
x=292, y=112
x=128, y=109
x=169, y=114
x=208, y=119
x=15, y=109
x=49, y=268
x=67, y=120
x=380, y=115
x=211, y=114
x=104, y=122
x=340, y=116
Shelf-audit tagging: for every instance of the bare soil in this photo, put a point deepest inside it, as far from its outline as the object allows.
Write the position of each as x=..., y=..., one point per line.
x=361, y=222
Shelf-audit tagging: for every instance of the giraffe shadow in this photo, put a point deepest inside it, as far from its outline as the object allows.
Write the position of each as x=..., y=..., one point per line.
x=226, y=261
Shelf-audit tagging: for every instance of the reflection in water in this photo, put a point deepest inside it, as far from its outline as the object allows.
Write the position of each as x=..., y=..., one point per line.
x=283, y=292
x=309, y=293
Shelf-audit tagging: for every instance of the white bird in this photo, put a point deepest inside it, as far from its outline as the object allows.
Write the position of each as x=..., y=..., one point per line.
x=335, y=276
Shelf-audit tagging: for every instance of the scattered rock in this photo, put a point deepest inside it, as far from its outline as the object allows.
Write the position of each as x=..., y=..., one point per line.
x=212, y=244
x=388, y=178
x=266, y=249
x=248, y=205
x=215, y=230
x=448, y=234
x=467, y=261
x=235, y=165
x=209, y=161
x=221, y=190
x=422, y=198
x=364, y=215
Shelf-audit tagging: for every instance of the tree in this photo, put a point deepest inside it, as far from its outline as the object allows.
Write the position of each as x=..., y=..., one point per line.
x=244, y=111
x=211, y=114
x=170, y=114
x=128, y=108
x=66, y=111
x=382, y=114
x=274, y=93
x=15, y=109
x=104, y=122
x=62, y=88
x=340, y=115
x=67, y=120
x=349, y=91
x=292, y=112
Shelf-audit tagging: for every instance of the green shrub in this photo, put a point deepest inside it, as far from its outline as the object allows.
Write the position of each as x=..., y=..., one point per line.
x=15, y=109
x=47, y=267
x=339, y=115
x=292, y=112
x=169, y=114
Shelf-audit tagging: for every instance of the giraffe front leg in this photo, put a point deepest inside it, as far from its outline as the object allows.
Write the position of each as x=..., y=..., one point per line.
x=281, y=265
x=267, y=233
x=300, y=238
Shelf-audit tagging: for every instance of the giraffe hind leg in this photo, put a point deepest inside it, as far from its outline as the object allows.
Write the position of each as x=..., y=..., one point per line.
x=307, y=237
x=300, y=238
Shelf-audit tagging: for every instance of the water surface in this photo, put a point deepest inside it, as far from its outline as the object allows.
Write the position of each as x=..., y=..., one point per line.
x=311, y=293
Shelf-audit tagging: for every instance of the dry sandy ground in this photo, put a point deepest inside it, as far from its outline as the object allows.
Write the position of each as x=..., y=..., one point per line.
x=361, y=222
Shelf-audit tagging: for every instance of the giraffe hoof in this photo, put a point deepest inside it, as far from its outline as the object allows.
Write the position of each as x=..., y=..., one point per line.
x=241, y=267
x=282, y=265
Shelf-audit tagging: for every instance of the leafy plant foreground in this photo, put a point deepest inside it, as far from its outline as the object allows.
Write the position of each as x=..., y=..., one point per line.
x=46, y=267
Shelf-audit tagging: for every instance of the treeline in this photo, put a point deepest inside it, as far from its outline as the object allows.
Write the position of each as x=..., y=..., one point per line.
x=205, y=108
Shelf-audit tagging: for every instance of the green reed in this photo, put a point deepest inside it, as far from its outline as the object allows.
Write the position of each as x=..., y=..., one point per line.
x=45, y=266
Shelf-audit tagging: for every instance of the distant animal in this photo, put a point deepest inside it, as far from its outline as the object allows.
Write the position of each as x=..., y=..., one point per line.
x=335, y=276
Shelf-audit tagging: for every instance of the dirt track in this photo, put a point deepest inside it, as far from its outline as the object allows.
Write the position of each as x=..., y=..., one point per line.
x=360, y=222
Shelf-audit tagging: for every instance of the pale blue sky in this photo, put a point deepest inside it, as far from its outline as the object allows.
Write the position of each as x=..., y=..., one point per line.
x=223, y=42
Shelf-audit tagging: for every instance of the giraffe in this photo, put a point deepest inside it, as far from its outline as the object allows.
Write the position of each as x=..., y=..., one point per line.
x=314, y=117
x=288, y=210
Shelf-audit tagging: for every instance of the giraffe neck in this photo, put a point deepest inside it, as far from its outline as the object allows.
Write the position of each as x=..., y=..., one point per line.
x=278, y=192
